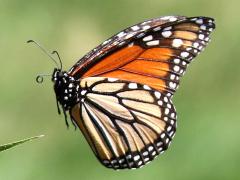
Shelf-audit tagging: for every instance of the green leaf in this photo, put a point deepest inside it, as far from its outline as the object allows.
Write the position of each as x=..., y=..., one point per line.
x=10, y=145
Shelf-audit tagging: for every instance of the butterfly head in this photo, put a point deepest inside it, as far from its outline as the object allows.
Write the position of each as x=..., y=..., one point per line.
x=66, y=88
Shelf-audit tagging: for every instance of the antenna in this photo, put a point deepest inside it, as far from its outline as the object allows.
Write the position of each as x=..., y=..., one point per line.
x=39, y=77
x=55, y=52
x=46, y=52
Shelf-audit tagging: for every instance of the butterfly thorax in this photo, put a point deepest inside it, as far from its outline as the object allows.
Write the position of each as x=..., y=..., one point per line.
x=66, y=89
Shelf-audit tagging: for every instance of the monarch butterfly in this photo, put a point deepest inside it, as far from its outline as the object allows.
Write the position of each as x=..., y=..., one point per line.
x=120, y=93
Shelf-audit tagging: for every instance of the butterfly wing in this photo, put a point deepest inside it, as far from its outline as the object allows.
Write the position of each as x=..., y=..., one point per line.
x=126, y=124
x=126, y=113
x=155, y=52
x=118, y=41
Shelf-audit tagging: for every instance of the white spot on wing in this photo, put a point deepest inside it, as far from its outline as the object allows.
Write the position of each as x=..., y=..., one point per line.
x=129, y=156
x=148, y=38
x=157, y=28
x=140, y=35
x=201, y=36
x=162, y=135
x=167, y=28
x=166, y=17
x=176, y=61
x=132, y=85
x=166, y=34
x=184, y=54
x=83, y=92
x=169, y=128
x=121, y=160
x=153, y=43
x=146, y=27
x=203, y=27
x=146, y=159
x=172, y=19
x=169, y=105
x=165, y=99
x=153, y=153
x=121, y=34
x=176, y=68
x=165, y=118
x=199, y=21
x=114, y=161
x=166, y=111
x=146, y=87
x=157, y=94
x=177, y=43
x=112, y=79
x=160, y=102
x=172, y=77
x=195, y=51
x=150, y=148
x=195, y=44
x=145, y=153
x=129, y=35
x=135, y=28
x=136, y=158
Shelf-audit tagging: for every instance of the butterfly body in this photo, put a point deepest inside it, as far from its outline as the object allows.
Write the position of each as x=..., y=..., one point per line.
x=120, y=93
x=66, y=89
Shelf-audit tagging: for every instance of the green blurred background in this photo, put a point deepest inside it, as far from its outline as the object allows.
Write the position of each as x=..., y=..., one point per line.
x=207, y=142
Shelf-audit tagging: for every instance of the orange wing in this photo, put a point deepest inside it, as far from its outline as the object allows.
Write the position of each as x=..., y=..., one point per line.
x=158, y=58
x=135, y=64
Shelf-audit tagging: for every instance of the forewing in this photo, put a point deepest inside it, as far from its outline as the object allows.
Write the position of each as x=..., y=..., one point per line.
x=155, y=52
x=118, y=41
x=126, y=124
